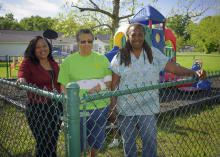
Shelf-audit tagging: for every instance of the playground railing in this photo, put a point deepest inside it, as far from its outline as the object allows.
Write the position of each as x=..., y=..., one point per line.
x=186, y=124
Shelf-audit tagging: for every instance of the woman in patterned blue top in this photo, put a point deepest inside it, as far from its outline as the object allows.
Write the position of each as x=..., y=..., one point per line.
x=135, y=65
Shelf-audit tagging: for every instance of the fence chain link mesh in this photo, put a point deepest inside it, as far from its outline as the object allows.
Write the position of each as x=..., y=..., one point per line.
x=187, y=123
x=29, y=129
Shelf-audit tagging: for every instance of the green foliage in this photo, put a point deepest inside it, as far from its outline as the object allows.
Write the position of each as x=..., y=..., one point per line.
x=71, y=22
x=66, y=24
x=37, y=23
x=33, y=23
x=9, y=23
x=180, y=42
x=206, y=35
x=179, y=23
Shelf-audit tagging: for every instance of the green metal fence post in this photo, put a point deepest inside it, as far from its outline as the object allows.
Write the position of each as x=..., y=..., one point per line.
x=7, y=66
x=73, y=120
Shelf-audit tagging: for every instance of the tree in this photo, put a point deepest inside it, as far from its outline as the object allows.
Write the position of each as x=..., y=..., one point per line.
x=70, y=23
x=179, y=23
x=195, y=9
x=8, y=22
x=37, y=23
x=106, y=13
x=206, y=35
x=186, y=12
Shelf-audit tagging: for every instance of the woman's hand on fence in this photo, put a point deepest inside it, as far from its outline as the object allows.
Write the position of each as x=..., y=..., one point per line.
x=95, y=89
x=201, y=74
x=21, y=81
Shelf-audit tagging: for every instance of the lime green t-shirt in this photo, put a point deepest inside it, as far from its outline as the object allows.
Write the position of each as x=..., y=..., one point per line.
x=90, y=69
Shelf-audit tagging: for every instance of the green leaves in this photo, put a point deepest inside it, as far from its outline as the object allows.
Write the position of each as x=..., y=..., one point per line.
x=206, y=34
x=37, y=23
x=8, y=22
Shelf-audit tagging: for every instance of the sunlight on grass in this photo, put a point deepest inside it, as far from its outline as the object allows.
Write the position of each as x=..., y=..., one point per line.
x=210, y=62
x=15, y=134
x=187, y=136
x=194, y=134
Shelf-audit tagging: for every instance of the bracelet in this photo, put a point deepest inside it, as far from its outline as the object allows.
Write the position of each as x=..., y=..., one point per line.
x=102, y=85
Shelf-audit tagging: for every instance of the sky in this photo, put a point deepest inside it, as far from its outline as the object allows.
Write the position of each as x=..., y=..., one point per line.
x=27, y=8
x=51, y=8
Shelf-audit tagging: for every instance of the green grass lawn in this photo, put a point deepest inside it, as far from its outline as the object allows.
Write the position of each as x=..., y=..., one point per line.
x=15, y=135
x=190, y=135
x=210, y=62
x=11, y=72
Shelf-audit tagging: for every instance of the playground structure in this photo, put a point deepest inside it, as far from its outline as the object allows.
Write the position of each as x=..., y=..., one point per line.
x=157, y=34
x=200, y=84
x=16, y=62
x=9, y=66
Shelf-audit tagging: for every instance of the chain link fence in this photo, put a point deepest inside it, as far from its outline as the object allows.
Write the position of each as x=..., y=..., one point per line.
x=186, y=122
x=33, y=128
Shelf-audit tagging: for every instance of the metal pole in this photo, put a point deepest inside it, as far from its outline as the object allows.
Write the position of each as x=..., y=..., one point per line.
x=73, y=120
x=7, y=66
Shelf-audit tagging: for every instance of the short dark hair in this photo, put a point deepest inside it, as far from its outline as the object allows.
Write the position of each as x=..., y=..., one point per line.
x=30, y=50
x=84, y=31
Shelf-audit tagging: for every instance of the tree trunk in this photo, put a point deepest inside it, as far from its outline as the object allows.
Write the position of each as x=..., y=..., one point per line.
x=115, y=19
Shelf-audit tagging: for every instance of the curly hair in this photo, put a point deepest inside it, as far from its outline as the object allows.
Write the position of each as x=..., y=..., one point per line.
x=30, y=50
x=125, y=53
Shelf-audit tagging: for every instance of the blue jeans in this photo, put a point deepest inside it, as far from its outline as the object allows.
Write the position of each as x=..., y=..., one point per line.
x=145, y=126
x=95, y=126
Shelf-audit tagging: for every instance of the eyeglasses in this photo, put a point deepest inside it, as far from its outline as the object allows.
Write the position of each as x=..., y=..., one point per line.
x=86, y=41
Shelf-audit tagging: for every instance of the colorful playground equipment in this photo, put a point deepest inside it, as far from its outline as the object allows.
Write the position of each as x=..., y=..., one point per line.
x=16, y=62
x=157, y=34
x=200, y=84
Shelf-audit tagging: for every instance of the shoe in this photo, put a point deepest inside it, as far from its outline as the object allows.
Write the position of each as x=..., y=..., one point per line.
x=115, y=143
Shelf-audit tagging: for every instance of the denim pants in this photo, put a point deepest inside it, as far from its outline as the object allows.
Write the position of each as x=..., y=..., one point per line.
x=145, y=127
x=95, y=126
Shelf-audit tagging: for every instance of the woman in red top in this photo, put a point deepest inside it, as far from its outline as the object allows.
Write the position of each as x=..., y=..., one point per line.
x=43, y=115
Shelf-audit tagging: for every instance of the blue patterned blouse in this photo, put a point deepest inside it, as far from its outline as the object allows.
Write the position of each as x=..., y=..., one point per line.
x=138, y=74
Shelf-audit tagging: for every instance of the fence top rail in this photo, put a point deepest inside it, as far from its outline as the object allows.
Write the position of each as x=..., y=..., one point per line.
x=108, y=94
x=51, y=95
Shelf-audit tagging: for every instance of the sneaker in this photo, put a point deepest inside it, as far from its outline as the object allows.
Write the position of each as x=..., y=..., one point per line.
x=115, y=143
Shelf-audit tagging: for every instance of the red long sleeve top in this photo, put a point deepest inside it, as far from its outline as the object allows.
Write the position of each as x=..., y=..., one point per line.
x=35, y=74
